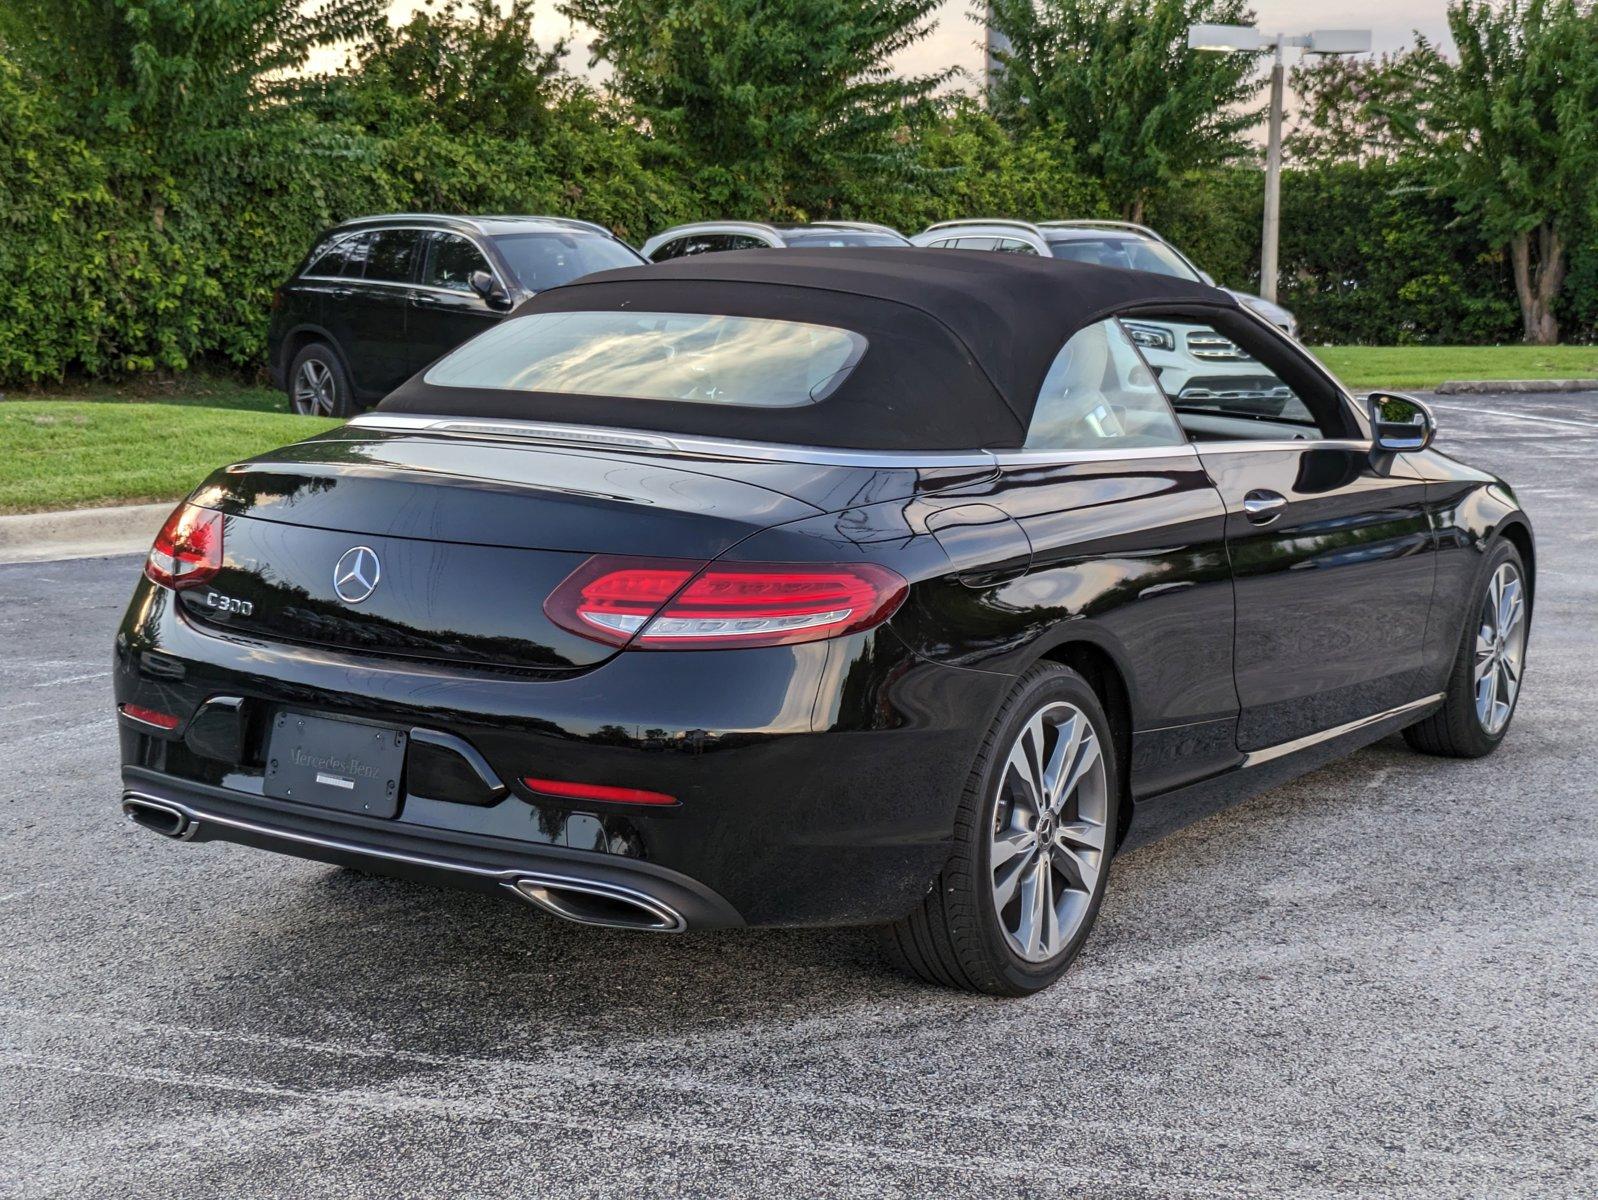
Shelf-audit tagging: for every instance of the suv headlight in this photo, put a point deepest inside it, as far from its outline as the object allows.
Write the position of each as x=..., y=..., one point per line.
x=1150, y=337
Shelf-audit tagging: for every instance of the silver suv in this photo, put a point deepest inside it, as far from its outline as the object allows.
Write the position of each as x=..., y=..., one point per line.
x=1105, y=243
x=708, y=237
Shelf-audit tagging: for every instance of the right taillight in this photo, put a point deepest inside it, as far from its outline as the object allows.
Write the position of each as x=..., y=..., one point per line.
x=188, y=550
x=672, y=604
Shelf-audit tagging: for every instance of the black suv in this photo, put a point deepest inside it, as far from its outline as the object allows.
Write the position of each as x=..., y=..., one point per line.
x=379, y=298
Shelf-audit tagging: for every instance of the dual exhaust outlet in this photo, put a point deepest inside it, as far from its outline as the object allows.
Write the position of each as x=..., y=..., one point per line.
x=585, y=902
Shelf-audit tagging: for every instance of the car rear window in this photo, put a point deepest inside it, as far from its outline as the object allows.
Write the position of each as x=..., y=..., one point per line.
x=696, y=358
x=546, y=260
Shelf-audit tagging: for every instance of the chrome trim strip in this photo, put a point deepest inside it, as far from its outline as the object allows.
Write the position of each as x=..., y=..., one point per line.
x=1023, y=458
x=601, y=437
x=507, y=876
x=1244, y=445
x=629, y=439
x=1254, y=758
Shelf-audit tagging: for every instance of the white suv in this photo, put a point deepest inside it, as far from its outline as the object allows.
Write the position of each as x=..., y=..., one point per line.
x=709, y=237
x=1105, y=243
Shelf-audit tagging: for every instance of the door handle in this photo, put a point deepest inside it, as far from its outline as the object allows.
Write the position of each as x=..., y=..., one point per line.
x=1263, y=507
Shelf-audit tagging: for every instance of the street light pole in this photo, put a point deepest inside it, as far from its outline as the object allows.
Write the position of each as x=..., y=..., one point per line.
x=1249, y=40
x=1271, y=240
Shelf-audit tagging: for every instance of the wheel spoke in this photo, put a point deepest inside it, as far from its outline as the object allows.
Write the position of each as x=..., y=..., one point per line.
x=1061, y=761
x=1082, y=865
x=1006, y=881
x=1008, y=844
x=1084, y=833
x=1087, y=757
x=1033, y=906
x=1509, y=607
x=1484, y=657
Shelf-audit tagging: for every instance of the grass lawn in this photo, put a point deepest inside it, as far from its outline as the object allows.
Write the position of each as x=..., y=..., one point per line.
x=102, y=444
x=146, y=440
x=1420, y=368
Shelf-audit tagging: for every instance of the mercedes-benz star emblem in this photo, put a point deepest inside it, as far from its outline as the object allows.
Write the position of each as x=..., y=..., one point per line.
x=356, y=574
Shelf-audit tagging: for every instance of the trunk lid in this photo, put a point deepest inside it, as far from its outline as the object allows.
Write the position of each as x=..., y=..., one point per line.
x=466, y=539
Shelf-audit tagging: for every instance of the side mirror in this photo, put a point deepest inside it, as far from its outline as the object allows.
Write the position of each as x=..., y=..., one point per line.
x=483, y=284
x=1400, y=424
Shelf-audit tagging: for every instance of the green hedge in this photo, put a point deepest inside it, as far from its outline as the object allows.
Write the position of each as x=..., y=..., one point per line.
x=118, y=258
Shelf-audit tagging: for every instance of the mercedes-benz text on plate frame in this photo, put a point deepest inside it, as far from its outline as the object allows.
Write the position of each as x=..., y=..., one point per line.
x=356, y=575
x=814, y=587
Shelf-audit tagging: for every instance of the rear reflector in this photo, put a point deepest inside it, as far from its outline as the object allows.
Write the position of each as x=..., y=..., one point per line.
x=670, y=604
x=595, y=791
x=188, y=550
x=149, y=716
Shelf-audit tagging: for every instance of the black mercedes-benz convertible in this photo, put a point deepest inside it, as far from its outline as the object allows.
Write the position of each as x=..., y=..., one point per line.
x=814, y=587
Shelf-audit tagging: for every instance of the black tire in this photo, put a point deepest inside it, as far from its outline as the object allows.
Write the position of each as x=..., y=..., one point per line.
x=954, y=937
x=317, y=363
x=1455, y=730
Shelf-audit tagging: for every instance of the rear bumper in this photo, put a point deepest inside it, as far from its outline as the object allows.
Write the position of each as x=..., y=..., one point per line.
x=817, y=783
x=618, y=893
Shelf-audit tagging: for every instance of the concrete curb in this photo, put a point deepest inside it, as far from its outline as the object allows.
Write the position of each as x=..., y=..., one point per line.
x=80, y=533
x=1482, y=387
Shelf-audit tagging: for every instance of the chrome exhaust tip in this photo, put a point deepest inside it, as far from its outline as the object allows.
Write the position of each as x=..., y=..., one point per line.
x=159, y=817
x=590, y=902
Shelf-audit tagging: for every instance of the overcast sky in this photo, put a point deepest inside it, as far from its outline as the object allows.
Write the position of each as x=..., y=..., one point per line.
x=956, y=38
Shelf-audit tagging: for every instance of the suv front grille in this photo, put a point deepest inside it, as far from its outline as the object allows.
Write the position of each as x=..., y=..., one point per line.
x=1212, y=347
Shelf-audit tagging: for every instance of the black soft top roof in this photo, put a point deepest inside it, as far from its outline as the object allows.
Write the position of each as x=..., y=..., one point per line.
x=958, y=341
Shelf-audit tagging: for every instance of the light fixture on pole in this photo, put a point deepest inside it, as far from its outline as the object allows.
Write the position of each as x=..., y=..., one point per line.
x=1249, y=40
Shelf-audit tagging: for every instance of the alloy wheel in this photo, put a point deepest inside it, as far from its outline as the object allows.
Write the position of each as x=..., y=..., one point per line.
x=1500, y=648
x=1049, y=830
x=315, y=392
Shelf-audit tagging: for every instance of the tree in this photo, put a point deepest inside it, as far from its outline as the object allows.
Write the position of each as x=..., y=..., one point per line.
x=1345, y=106
x=173, y=74
x=469, y=69
x=1510, y=133
x=773, y=108
x=1114, y=80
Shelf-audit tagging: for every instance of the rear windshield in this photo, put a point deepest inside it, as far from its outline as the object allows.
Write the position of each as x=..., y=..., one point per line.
x=546, y=260
x=1129, y=254
x=832, y=237
x=694, y=357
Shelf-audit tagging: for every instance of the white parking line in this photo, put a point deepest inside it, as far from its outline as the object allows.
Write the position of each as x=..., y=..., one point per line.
x=1513, y=416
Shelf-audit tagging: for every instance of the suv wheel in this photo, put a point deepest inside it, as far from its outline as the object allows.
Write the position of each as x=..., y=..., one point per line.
x=318, y=386
x=1033, y=841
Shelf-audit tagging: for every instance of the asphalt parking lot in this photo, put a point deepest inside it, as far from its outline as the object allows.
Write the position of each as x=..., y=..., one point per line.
x=1377, y=981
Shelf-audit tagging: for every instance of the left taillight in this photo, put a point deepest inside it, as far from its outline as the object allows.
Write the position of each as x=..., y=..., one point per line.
x=671, y=604
x=188, y=550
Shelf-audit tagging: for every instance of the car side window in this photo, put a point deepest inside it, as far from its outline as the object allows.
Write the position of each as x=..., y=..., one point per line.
x=451, y=260
x=976, y=243
x=675, y=248
x=1016, y=246
x=1219, y=389
x=1100, y=395
x=331, y=258
x=393, y=255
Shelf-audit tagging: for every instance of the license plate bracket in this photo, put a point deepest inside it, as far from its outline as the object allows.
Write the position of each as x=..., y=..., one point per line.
x=335, y=763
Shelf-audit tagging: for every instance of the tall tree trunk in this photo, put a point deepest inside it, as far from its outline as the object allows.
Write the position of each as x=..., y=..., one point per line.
x=1537, y=285
x=1135, y=215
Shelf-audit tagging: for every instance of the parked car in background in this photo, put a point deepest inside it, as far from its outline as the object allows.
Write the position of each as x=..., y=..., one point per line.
x=379, y=298
x=805, y=588
x=709, y=237
x=1100, y=243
